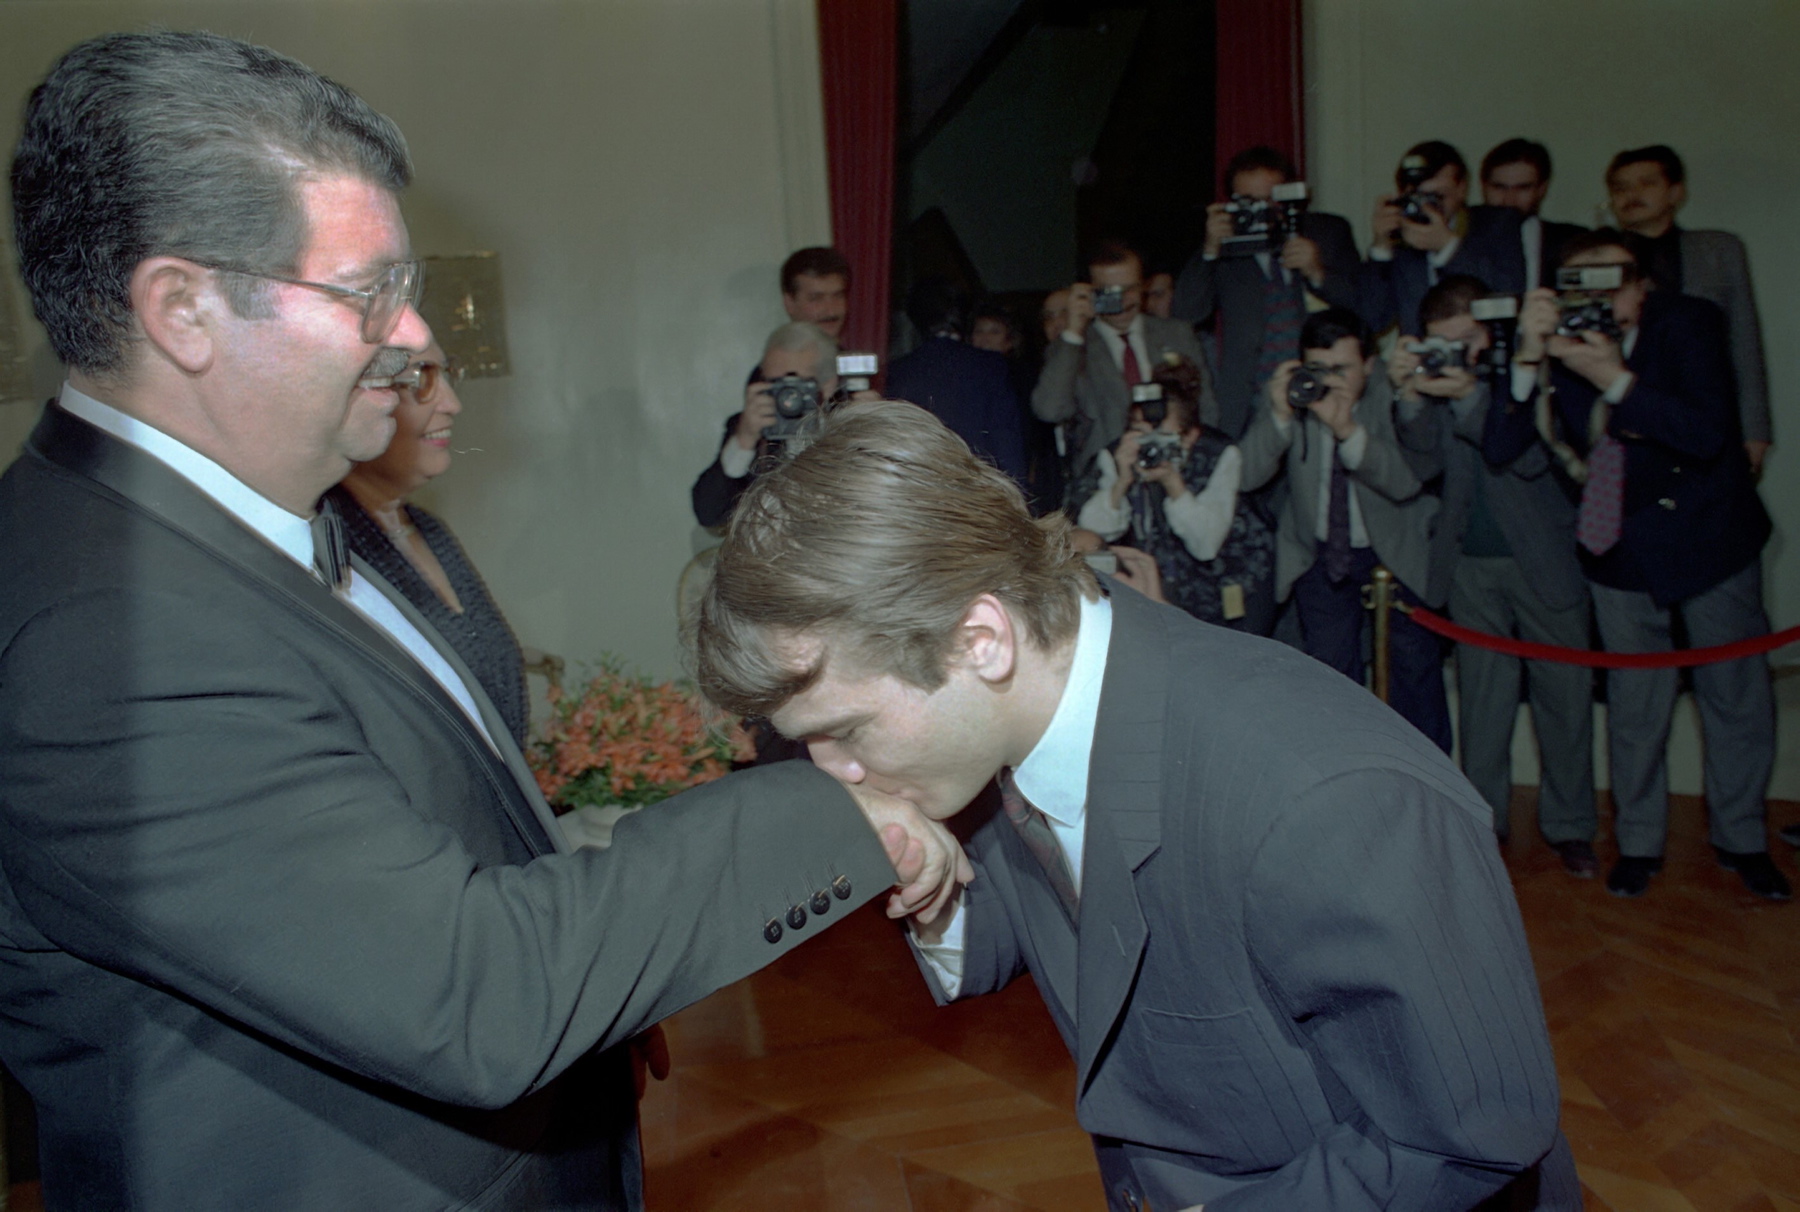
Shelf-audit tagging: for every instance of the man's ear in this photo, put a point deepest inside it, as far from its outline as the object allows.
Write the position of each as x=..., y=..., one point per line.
x=990, y=641
x=1678, y=191
x=176, y=303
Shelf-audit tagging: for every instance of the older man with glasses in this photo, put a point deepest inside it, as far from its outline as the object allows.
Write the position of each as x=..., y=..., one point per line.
x=287, y=923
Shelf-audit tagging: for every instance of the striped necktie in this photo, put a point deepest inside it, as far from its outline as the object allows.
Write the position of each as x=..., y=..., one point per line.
x=1034, y=828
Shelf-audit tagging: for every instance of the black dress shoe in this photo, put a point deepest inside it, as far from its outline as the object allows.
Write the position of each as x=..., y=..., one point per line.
x=1578, y=858
x=1631, y=876
x=1790, y=835
x=1759, y=873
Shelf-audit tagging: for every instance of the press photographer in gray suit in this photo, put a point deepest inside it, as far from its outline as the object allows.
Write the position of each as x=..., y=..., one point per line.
x=1110, y=345
x=284, y=921
x=1265, y=914
x=1503, y=555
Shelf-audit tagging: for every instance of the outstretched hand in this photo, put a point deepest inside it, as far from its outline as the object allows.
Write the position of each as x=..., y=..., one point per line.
x=929, y=863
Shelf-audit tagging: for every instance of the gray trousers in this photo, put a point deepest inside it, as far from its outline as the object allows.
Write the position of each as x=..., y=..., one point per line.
x=1737, y=714
x=1494, y=595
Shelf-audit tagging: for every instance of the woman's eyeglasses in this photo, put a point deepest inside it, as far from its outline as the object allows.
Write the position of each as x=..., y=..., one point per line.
x=424, y=378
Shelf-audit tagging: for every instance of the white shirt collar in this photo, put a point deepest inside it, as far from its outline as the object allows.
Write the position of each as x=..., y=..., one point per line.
x=288, y=533
x=1054, y=775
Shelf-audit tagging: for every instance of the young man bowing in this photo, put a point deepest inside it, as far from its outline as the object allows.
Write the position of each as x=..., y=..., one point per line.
x=1265, y=913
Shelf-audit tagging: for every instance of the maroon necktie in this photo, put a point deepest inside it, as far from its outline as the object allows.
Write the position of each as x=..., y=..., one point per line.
x=1602, y=516
x=1034, y=828
x=1134, y=374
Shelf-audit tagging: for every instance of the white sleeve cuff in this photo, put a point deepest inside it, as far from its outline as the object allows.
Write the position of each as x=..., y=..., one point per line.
x=944, y=957
x=734, y=460
x=1097, y=512
x=1073, y=337
x=1524, y=382
x=1351, y=450
x=1202, y=520
x=1378, y=253
x=1619, y=387
x=1442, y=256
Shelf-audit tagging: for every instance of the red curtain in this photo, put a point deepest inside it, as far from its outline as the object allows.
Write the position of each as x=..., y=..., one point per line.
x=1258, y=89
x=858, y=41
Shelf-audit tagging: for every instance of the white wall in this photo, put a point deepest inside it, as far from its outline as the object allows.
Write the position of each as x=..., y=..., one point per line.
x=1715, y=80
x=641, y=167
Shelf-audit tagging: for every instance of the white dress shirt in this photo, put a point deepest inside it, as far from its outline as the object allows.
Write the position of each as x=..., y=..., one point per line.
x=1201, y=520
x=1114, y=341
x=1053, y=776
x=1531, y=238
x=287, y=533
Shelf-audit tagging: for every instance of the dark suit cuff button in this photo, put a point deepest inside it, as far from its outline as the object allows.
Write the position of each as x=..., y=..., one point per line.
x=821, y=901
x=796, y=917
x=840, y=887
x=772, y=931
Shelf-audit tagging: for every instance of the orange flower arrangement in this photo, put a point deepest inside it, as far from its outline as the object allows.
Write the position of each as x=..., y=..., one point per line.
x=627, y=740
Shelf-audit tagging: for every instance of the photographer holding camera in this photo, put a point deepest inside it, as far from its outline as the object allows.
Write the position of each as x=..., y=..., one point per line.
x=1516, y=173
x=1355, y=501
x=1173, y=484
x=1503, y=555
x=1669, y=526
x=1260, y=290
x=799, y=365
x=1090, y=369
x=1426, y=231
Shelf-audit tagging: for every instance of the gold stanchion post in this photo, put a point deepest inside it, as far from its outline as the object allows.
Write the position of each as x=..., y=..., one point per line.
x=1378, y=595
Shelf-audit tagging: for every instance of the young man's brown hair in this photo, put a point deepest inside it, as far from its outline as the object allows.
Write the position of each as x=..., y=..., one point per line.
x=876, y=536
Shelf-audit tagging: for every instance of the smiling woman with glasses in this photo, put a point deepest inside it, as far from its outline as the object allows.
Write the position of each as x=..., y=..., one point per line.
x=415, y=551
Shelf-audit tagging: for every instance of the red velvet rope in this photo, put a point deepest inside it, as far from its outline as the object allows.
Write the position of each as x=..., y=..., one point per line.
x=1755, y=646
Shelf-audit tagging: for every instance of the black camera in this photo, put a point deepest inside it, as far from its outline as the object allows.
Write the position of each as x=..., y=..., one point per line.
x=795, y=400
x=1499, y=314
x=1109, y=300
x=1416, y=207
x=1306, y=389
x=1150, y=403
x=1155, y=449
x=1263, y=226
x=1584, y=300
x=1437, y=355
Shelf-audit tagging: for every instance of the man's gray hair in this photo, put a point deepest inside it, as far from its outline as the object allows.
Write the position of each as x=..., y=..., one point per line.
x=797, y=336
x=181, y=144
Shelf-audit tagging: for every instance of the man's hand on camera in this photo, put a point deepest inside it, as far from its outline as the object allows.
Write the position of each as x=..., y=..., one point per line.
x=1429, y=236
x=1592, y=355
x=1218, y=229
x=1537, y=320
x=1081, y=308
x=1387, y=220
x=1401, y=365
x=758, y=415
x=1335, y=412
x=1278, y=391
x=1302, y=256
x=1450, y=383
x=929, y=863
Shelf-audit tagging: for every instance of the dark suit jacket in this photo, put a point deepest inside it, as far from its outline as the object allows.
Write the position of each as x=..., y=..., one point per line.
x=278, y=928
x=1082, y=383
x=716, y=494
x=1555, y=235
x=1692, y=516
x=1300, y=980
x=1530, y=502
x=1490, y=250
x=1234, y=286
x=971, y=391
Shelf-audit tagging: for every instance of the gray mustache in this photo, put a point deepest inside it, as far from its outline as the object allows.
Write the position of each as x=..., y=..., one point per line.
x=388, y=363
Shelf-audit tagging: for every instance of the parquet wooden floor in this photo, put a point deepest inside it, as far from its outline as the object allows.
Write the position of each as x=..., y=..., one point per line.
x=829, y=1081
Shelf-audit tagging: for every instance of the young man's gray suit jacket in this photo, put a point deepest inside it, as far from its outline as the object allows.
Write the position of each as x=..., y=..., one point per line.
x=278, y=929
x=1082, y=383
x=1715, y=266
x=1299, y=978
x=1389, y=485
